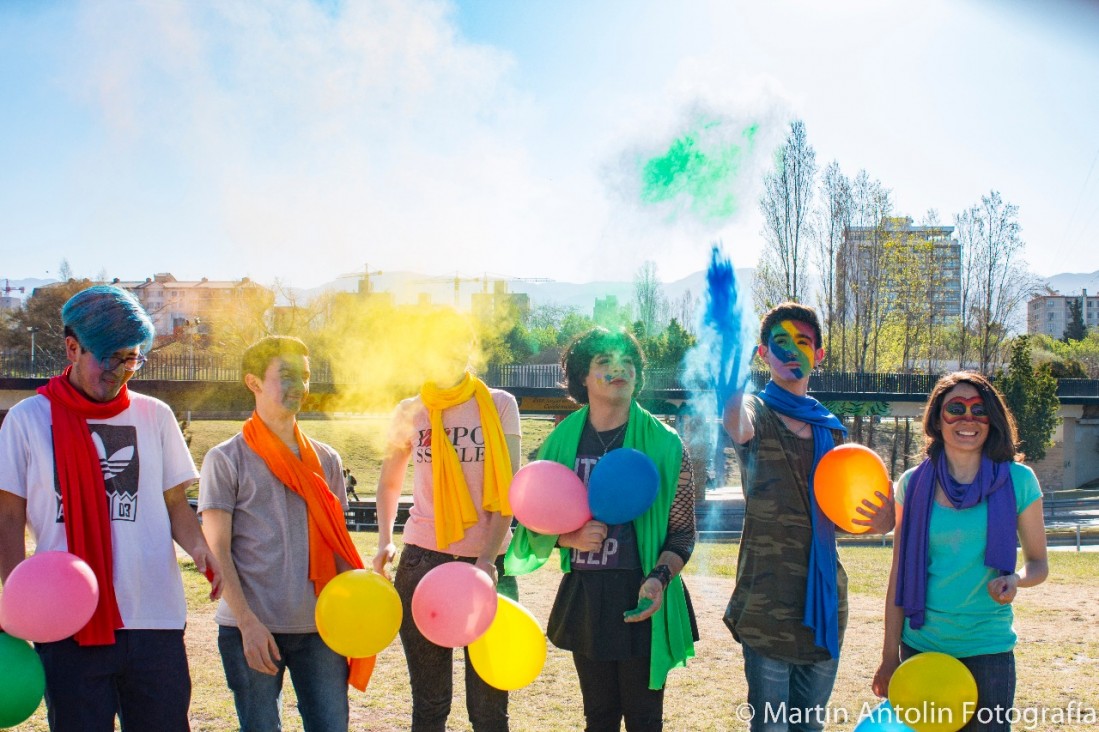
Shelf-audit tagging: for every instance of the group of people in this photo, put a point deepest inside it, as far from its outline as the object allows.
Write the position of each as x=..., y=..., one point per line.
x=100, y=471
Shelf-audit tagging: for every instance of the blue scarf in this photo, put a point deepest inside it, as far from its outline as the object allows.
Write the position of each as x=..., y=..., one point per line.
x=993, y=484
x=821, y=593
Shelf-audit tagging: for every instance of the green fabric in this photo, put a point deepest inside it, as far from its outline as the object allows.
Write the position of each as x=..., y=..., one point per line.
x=962, y=619
x=672, y=643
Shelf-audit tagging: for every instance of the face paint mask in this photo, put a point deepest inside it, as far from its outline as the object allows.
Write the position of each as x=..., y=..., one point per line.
x=783, y=344
x=612, y=366
x=957, y=408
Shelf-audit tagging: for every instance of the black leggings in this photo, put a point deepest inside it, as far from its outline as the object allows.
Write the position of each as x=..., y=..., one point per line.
x=616, y=689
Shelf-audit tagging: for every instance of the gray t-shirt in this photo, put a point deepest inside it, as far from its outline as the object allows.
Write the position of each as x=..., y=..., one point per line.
x=270, y=542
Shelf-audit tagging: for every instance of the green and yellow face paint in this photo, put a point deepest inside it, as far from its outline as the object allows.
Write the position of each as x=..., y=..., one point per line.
x=791, y=347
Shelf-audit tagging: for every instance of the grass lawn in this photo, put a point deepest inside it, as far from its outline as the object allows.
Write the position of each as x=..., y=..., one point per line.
x=1057, y=654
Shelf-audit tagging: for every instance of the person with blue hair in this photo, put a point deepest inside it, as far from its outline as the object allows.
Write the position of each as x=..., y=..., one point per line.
x=102, y=472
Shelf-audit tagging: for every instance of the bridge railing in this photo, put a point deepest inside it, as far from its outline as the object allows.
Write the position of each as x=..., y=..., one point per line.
x=214, y=367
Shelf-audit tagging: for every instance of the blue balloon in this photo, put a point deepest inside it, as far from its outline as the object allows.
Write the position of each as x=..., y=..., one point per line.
x=882, y=718
x=622, y=486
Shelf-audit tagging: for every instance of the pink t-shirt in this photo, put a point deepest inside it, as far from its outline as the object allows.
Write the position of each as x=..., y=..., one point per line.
x=411, y=426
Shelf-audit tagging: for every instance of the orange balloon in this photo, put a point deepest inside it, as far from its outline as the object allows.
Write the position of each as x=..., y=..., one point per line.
x=845, y=476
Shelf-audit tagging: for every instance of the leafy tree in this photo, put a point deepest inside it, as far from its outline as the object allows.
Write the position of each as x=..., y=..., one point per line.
x=1075, y=330
x=42, y=313
x=1031, y=394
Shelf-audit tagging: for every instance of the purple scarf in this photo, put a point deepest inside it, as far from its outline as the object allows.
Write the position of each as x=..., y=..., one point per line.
x=992, y=484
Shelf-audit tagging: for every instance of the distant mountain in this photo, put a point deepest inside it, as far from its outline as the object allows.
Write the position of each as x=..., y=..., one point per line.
x=1072, y=284
x=406, y=288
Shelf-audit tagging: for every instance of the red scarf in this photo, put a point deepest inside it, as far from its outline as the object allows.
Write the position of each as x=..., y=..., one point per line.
x=84, y=494
x=328, y=535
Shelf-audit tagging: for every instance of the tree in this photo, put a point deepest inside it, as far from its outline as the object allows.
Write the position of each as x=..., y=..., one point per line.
x=786, y=206
x=833, y=218
x=1031, y=394
x=649, y=299
x=863, y=295
x=994, y=278
x=41, y=314
x=1075, y=330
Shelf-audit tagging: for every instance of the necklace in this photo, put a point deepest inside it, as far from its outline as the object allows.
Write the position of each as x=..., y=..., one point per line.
x=801, y=431
x=610, y=443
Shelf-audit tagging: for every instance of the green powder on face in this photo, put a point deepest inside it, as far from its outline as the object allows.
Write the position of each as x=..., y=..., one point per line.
x=701, y=167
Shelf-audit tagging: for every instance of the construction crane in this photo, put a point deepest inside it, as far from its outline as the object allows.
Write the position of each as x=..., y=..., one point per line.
x=365, y=285
x=8, y=289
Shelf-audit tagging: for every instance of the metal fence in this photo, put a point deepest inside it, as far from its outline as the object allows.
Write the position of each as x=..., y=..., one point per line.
x=208, y=367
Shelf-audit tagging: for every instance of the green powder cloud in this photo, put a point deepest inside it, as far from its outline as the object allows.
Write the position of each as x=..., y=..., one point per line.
x=699, y=169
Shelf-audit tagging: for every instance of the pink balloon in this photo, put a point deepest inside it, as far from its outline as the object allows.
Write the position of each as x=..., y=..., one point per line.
x=454, y=604
x=48, y=596
x=549, y=498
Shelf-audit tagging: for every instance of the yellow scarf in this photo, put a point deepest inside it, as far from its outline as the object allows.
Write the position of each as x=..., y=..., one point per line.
x=454, y=509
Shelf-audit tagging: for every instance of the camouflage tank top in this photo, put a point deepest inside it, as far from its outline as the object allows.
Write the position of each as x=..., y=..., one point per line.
x=768, y=602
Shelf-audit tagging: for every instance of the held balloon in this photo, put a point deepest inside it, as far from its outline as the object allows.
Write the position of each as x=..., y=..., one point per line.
x=22, y=681
x=358, y=613
x=549, y=498
x=512, y=651
x=933, y=692
x=845, y=476
x=454, y=604
x=622, y=486
x=882, y=718
x=48, y=596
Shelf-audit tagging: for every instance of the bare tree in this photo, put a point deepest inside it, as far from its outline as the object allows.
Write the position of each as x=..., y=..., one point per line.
x=786, y=205
x=862, y=296
x=833, y=216
x=652, y=306
x=997, y=280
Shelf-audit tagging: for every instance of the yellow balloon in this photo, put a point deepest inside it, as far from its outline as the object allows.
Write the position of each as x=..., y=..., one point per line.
x=933, y=692
x=512, y=651
x=358, y=613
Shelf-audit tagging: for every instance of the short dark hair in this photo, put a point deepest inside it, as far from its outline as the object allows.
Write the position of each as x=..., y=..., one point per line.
x=1003, y=435
x=790, y=311
x=576, y=361
x=258, y=356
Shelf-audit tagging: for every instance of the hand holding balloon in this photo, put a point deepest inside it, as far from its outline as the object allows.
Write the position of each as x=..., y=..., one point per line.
x=588, y=538
x=881, y=517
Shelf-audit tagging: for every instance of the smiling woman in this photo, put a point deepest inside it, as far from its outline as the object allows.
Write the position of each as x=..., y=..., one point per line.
x=953, y=577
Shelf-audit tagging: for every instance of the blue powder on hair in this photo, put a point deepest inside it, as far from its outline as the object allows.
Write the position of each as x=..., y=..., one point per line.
x=107, y=319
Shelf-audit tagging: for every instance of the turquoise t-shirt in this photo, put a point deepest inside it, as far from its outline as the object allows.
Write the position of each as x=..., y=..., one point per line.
x=961, y=619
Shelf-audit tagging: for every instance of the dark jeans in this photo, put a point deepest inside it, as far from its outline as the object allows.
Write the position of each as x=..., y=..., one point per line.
x=779, y=691
x=995, y=677
x=143, y=678
x=614, y=690
x=430, y=667
x=318, y=673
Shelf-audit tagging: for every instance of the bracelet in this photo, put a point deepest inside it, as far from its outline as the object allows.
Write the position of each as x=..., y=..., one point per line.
x=661, y=572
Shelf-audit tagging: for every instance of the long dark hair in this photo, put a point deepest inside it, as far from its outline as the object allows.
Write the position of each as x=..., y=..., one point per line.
x=1003, y=435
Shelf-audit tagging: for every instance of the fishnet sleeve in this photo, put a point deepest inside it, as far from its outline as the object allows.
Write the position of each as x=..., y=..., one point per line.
x=681, y=519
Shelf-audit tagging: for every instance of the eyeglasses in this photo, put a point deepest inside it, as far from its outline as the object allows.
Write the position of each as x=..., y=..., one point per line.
x=130, y=363
x=956, y=409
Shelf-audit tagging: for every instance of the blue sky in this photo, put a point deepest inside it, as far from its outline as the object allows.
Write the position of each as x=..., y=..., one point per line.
x=299, y=140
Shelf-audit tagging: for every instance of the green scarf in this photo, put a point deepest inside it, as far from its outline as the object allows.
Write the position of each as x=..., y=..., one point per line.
x=672, y=643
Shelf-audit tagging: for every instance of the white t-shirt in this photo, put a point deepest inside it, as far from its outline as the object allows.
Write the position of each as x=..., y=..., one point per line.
x=142, y=454
x=412, y=426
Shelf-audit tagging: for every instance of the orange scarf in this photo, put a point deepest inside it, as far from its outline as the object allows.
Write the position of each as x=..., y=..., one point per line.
x=454, y=509
x=84, y=495
x=328, y=535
